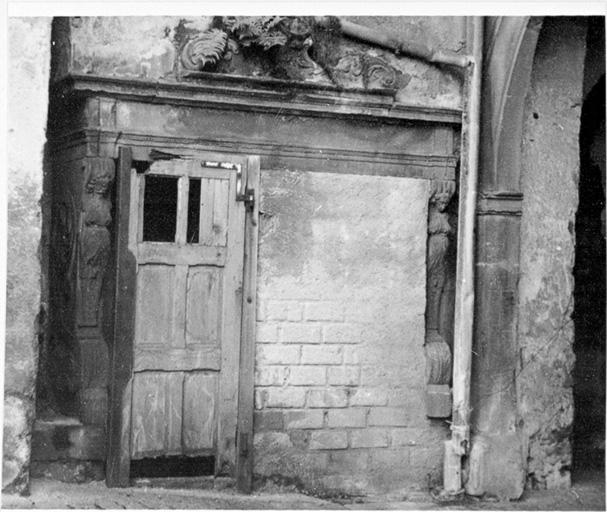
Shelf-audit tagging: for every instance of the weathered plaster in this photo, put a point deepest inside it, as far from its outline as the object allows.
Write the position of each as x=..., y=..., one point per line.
x=148, y=47
x=28, y=71
x=550, y=170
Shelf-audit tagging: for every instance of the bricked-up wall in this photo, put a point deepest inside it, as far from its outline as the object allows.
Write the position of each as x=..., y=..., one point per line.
x=28, y=74
x=339, y=364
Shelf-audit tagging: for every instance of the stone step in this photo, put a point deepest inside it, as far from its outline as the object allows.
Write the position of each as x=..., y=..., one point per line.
x=64, y=438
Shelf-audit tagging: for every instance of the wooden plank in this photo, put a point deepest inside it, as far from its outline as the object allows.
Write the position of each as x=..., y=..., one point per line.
x=220, y=212
x=207, y=193
x=173, y=412
x=134, y=220
x=139, y=207
x=183, y=188
x=199, y=358
x=244, y=452
x=123, y=329
x=154, y=312
x=203, y=306
x=231, y=318
x=187, y=167
x=148, y=421
x=171, y=254
x=199, y=412
x=179, y=306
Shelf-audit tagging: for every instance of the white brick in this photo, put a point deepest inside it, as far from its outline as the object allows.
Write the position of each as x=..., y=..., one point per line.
x=344, y=376
x=266, y=333
x=344, y=333
x=288, y=310
x=328, y=440
x=324, y=354
x=371, y=396
x=283, y=397
x=270, y=375
x=327, y=398
x=347, y=418
x=300, y=333
x=276, y=354
x=303, y=419
x=389, y=416
x=351, y=354
x=306, y=376
x=324, y=311
x=369, y=438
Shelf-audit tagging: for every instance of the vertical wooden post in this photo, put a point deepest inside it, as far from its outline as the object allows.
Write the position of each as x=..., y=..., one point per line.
x=244, y=432
x=123, y=330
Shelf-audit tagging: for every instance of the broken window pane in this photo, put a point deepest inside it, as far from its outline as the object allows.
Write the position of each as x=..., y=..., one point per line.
x=160, y=209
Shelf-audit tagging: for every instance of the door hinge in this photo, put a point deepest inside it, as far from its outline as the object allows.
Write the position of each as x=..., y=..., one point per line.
x=243, y=444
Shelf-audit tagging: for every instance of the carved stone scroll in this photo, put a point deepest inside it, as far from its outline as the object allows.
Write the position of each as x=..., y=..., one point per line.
x=437, y=351
x=94, y=242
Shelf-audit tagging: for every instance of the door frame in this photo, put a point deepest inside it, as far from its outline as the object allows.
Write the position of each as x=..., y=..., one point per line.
x=120, y=297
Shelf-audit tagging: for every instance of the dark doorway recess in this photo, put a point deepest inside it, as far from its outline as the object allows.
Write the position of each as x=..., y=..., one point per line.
x=589, y=271
x=162, y=467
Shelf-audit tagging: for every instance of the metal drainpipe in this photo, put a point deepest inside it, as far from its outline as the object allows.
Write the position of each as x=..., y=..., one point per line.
x=458, y=446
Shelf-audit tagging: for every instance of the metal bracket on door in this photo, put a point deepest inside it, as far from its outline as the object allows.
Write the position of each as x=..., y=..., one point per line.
x=244, y=194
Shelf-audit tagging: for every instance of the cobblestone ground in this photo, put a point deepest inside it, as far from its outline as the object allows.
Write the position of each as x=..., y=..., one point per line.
x=587, y=494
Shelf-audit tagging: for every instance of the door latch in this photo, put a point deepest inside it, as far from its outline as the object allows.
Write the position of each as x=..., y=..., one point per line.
x=244, y=193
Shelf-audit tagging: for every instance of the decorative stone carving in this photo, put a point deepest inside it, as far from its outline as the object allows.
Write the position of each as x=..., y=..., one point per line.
x=437, y=351
x=94, y=243
x=290, y=47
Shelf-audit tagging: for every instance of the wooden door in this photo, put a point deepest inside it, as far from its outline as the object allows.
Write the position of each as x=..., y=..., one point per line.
x=186, y=236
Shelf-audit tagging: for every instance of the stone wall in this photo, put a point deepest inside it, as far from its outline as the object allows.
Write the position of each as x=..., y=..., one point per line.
x=340, y=365
x=28, y=72
x=550, y=170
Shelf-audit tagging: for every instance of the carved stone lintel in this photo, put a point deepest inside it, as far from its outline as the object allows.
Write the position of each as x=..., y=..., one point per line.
x=437, y=352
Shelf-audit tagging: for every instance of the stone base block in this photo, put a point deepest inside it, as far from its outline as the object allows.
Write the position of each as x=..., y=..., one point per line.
x=438, y=401
x=67, y=439
x=70, y=471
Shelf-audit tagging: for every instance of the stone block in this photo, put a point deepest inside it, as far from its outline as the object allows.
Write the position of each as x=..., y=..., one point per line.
x=304, y=419
x=69, y=471
x=276, y=354
x=327, y=398
x=328, y=440
x=369, y=438
x=327, y=311
x=267, y=420
x=300, y=333
x=325, y=354
x=285, y=310
x=306, y=376
x=388, y=416
x=266, y=332
x=284, y=397
x=348, y=461
x=344, y=376
x=59, y=440
x=414, y=436
x=438, y=401
x=369, y=396
x=355, y=418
